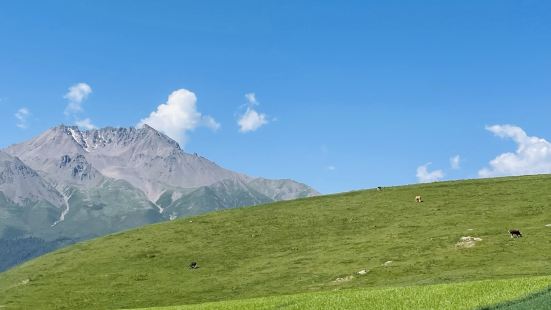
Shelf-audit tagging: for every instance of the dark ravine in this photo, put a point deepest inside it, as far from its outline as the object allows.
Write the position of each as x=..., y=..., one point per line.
x=70, y=184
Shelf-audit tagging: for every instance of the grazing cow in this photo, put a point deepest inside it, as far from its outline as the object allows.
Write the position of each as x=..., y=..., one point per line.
x=418, y=199
x=193, y=265
x=515, y=233
x=379, y=188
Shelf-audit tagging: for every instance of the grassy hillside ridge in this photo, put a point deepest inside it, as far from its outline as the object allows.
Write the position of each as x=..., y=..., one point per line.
x=464, y=295
x=302, y=246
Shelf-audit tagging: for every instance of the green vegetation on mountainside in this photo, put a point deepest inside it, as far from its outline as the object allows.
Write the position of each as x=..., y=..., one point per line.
x=302, y=246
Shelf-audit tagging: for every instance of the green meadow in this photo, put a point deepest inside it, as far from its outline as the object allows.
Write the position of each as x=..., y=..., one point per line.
x=309, y=251
x=464, y=295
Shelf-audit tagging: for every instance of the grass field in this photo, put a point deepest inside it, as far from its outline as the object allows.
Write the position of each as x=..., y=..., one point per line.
x=469, y=295
x=537, y=301
x=302, y=246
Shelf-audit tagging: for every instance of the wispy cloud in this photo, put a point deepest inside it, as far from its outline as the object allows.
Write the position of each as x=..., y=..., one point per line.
x=426, y=176
x=532, y=156
x=76, y=96
x=455, y=162
x=22, y=116
x=209, y=122
x=178, y=116
x=86, y=124
x=251, y=120
x=251, y=98
x=331, y=168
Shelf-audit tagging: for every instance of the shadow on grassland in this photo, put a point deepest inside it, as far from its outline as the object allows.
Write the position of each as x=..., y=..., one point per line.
x=537, y=301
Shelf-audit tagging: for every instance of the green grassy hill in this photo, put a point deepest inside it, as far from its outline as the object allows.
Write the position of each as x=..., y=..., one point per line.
x=307, y=245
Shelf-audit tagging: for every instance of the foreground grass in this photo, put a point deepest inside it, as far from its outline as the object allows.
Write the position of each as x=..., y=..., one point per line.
x=468, y=295
x=538, y=301
x=301, y=246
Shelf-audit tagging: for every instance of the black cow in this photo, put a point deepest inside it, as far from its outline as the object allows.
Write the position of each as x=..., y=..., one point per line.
x=193, y=265
x=515, y=233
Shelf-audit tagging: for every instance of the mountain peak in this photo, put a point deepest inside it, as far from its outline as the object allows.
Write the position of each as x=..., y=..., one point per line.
x=90, y=140
x=146, y=158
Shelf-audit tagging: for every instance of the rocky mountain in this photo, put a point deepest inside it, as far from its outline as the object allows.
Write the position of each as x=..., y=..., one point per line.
x=26, y=199
x=146, y=158
x=69, y=184
x=22, y=185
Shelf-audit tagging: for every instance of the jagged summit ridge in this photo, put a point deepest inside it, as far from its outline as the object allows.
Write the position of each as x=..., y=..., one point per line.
x=146, y=158
x=93, y=139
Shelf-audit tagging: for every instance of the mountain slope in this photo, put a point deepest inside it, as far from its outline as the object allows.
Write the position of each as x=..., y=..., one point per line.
x=26, y=199
x=305, y=245
x=22, y=185
x=281, y=189
x=29, y=205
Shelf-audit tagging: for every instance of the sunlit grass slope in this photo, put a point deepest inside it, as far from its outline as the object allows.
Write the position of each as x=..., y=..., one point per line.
x=302, y=246
x=464, y=295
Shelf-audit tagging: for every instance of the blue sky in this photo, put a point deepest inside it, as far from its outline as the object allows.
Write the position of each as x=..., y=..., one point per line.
x=353, y=94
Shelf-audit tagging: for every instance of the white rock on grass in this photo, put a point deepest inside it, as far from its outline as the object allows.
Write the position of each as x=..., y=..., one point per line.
x=467, y=242
x=363, y=272
x=548, y=225
x=388, y=263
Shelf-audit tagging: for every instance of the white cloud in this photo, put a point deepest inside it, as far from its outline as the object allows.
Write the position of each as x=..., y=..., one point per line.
x=210, y=122
x=455, y=162
x=76, y=95
x=532, y=156
x=251, y=98
x=331, y=168
x=251, y=120
x=178, y=116
x=86, y=124
x=22, y=115
x=426, y=176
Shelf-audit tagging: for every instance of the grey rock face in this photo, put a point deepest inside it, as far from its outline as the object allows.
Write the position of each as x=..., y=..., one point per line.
x=21, y=184
x=146, y=158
